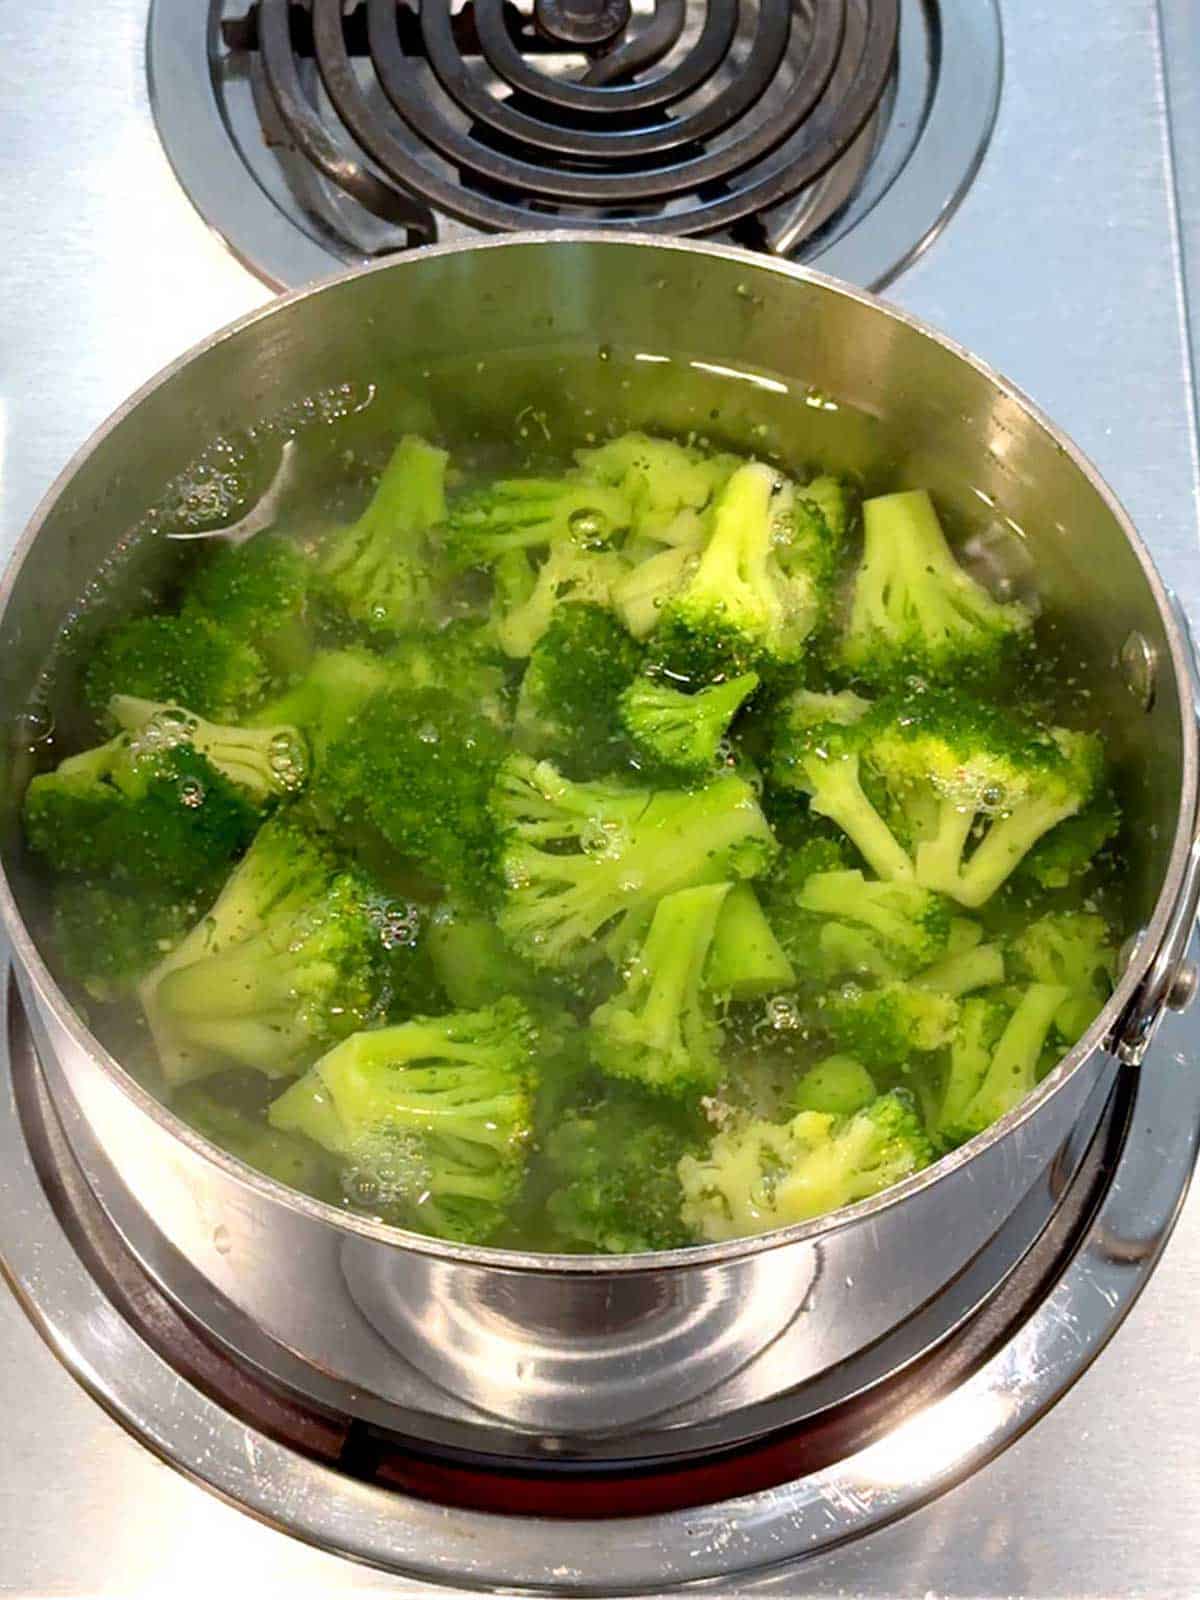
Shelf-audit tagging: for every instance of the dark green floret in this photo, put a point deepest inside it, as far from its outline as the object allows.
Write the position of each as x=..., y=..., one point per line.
x=915, y=609
x=841, y=924
x=378, y=569
x=295, y=953
x=107, y=940
x=526, y=597
x=568, y=703
x=584, y=859
x=184, y=661
x=431, y=1119
x=259, y=592
x=759, y=1175
x=888, y=1027
x=681, y=734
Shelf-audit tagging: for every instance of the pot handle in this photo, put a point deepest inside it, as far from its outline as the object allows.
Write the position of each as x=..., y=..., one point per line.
x=1171, y=982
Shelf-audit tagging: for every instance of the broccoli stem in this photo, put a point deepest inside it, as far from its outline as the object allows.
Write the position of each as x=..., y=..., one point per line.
x=746, y=960
x=980, y=968
x=1012, y=1071
x=838, y=794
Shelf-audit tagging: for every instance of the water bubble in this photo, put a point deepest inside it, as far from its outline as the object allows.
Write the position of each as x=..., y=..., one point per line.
x=604, y=353
x=588, y=526
x=286, y=760
x=191, y=793
x=782, y=1013
x=37, y=723
x=427, y=733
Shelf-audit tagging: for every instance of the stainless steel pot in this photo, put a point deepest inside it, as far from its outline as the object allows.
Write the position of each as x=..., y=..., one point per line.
x=547, y=1355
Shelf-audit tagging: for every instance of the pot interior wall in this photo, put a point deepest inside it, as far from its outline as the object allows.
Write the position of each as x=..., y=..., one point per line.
x=532, y=348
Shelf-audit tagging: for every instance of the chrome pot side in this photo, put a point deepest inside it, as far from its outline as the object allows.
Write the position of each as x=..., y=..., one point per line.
x=576, y=1347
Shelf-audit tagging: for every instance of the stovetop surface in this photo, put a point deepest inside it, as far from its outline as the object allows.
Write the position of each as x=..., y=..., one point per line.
x=1068, y=266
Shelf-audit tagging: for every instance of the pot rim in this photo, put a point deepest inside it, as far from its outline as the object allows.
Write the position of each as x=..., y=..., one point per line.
x=1096, y=1037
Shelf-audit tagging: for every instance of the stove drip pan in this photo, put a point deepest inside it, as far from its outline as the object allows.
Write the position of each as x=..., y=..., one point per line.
x=737, y=1490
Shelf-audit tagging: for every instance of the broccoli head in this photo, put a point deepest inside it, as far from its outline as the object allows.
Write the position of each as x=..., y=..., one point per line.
x=995, y=1058
x=268, y=762
x=1075, y=949
x=258, y=591
x=289, y=1158
x=888, y=1027
x=295, y=953
x=1071, y=849
x=681, y=734
x=583, y=858
x=525, y=513
x=915, y=610
x=184, y=661
x=841, y=924
x=838, y=1087
x=430, y=1119
x=525, y=598
x=472, y=962
x=161, y=816
x=418, y=765
x=760, y=1175
x=378, y=568
x=108, y=939
x=752, y=598
x=613, y=1175
x=967, y=788
x=664, y=483
x=661, y=1029
x=327, y=700
x=568, y=703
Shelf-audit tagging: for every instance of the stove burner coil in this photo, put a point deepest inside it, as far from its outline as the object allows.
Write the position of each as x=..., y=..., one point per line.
x=507, y=119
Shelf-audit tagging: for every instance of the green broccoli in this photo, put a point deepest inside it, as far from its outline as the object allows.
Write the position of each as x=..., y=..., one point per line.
x=431, y=1119
x=1071, y=849
x=841, y=924
x=568, y=704
x=760, y=1175
x=582, y=858
x=746, y=960
x=830, y=499
x=526, y=598
x=968, y=788
x=107, y=939
x=268, y=762
x=328, y=698
x=472, y=962
x=838, y=1087
x=681, y=734
x=161, y=817
x=752, y=600
x=648, y=579
x=915, y=609
x=289, y=1158
x=182, y=661
x=613, y=1175
x=661, y=1029
x=995, y=1058
x=378, y=568
x=968, y=963
x=259, y=592
x=1075, y=949
x=665, y=484
x=888, y=1027
x=418, y=765
x=294, y=954
x=526, y=513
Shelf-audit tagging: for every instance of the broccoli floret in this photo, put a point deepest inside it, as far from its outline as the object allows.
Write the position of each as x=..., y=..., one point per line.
x=838, y=1086
x=184, y=661
x=417, y=765
x=886, y=1028
x=526, y=599
x=580, y=858
x=293, y=955
x=164, y=818
x=259, y=592
x=461, y=658
x=431, y=1119
x=613, y=1175
x=568, y=703
x=664, y=483
x=289, y=1158
x=644, y=585
x=661, y=1029
x=841, y=924
x=681, y=734
x=525, y=513
x=268, y=762
x=1075, y=949
x=761, y=1175
x=378, y=568
x=746, y=960
x=994, y=1060
x=915, y=609
x=968, y=788
x=751, y=600
x=108, y=939
x=831, y=500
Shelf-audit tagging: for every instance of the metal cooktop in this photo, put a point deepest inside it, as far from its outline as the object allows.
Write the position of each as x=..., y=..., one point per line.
x=1071, y=264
